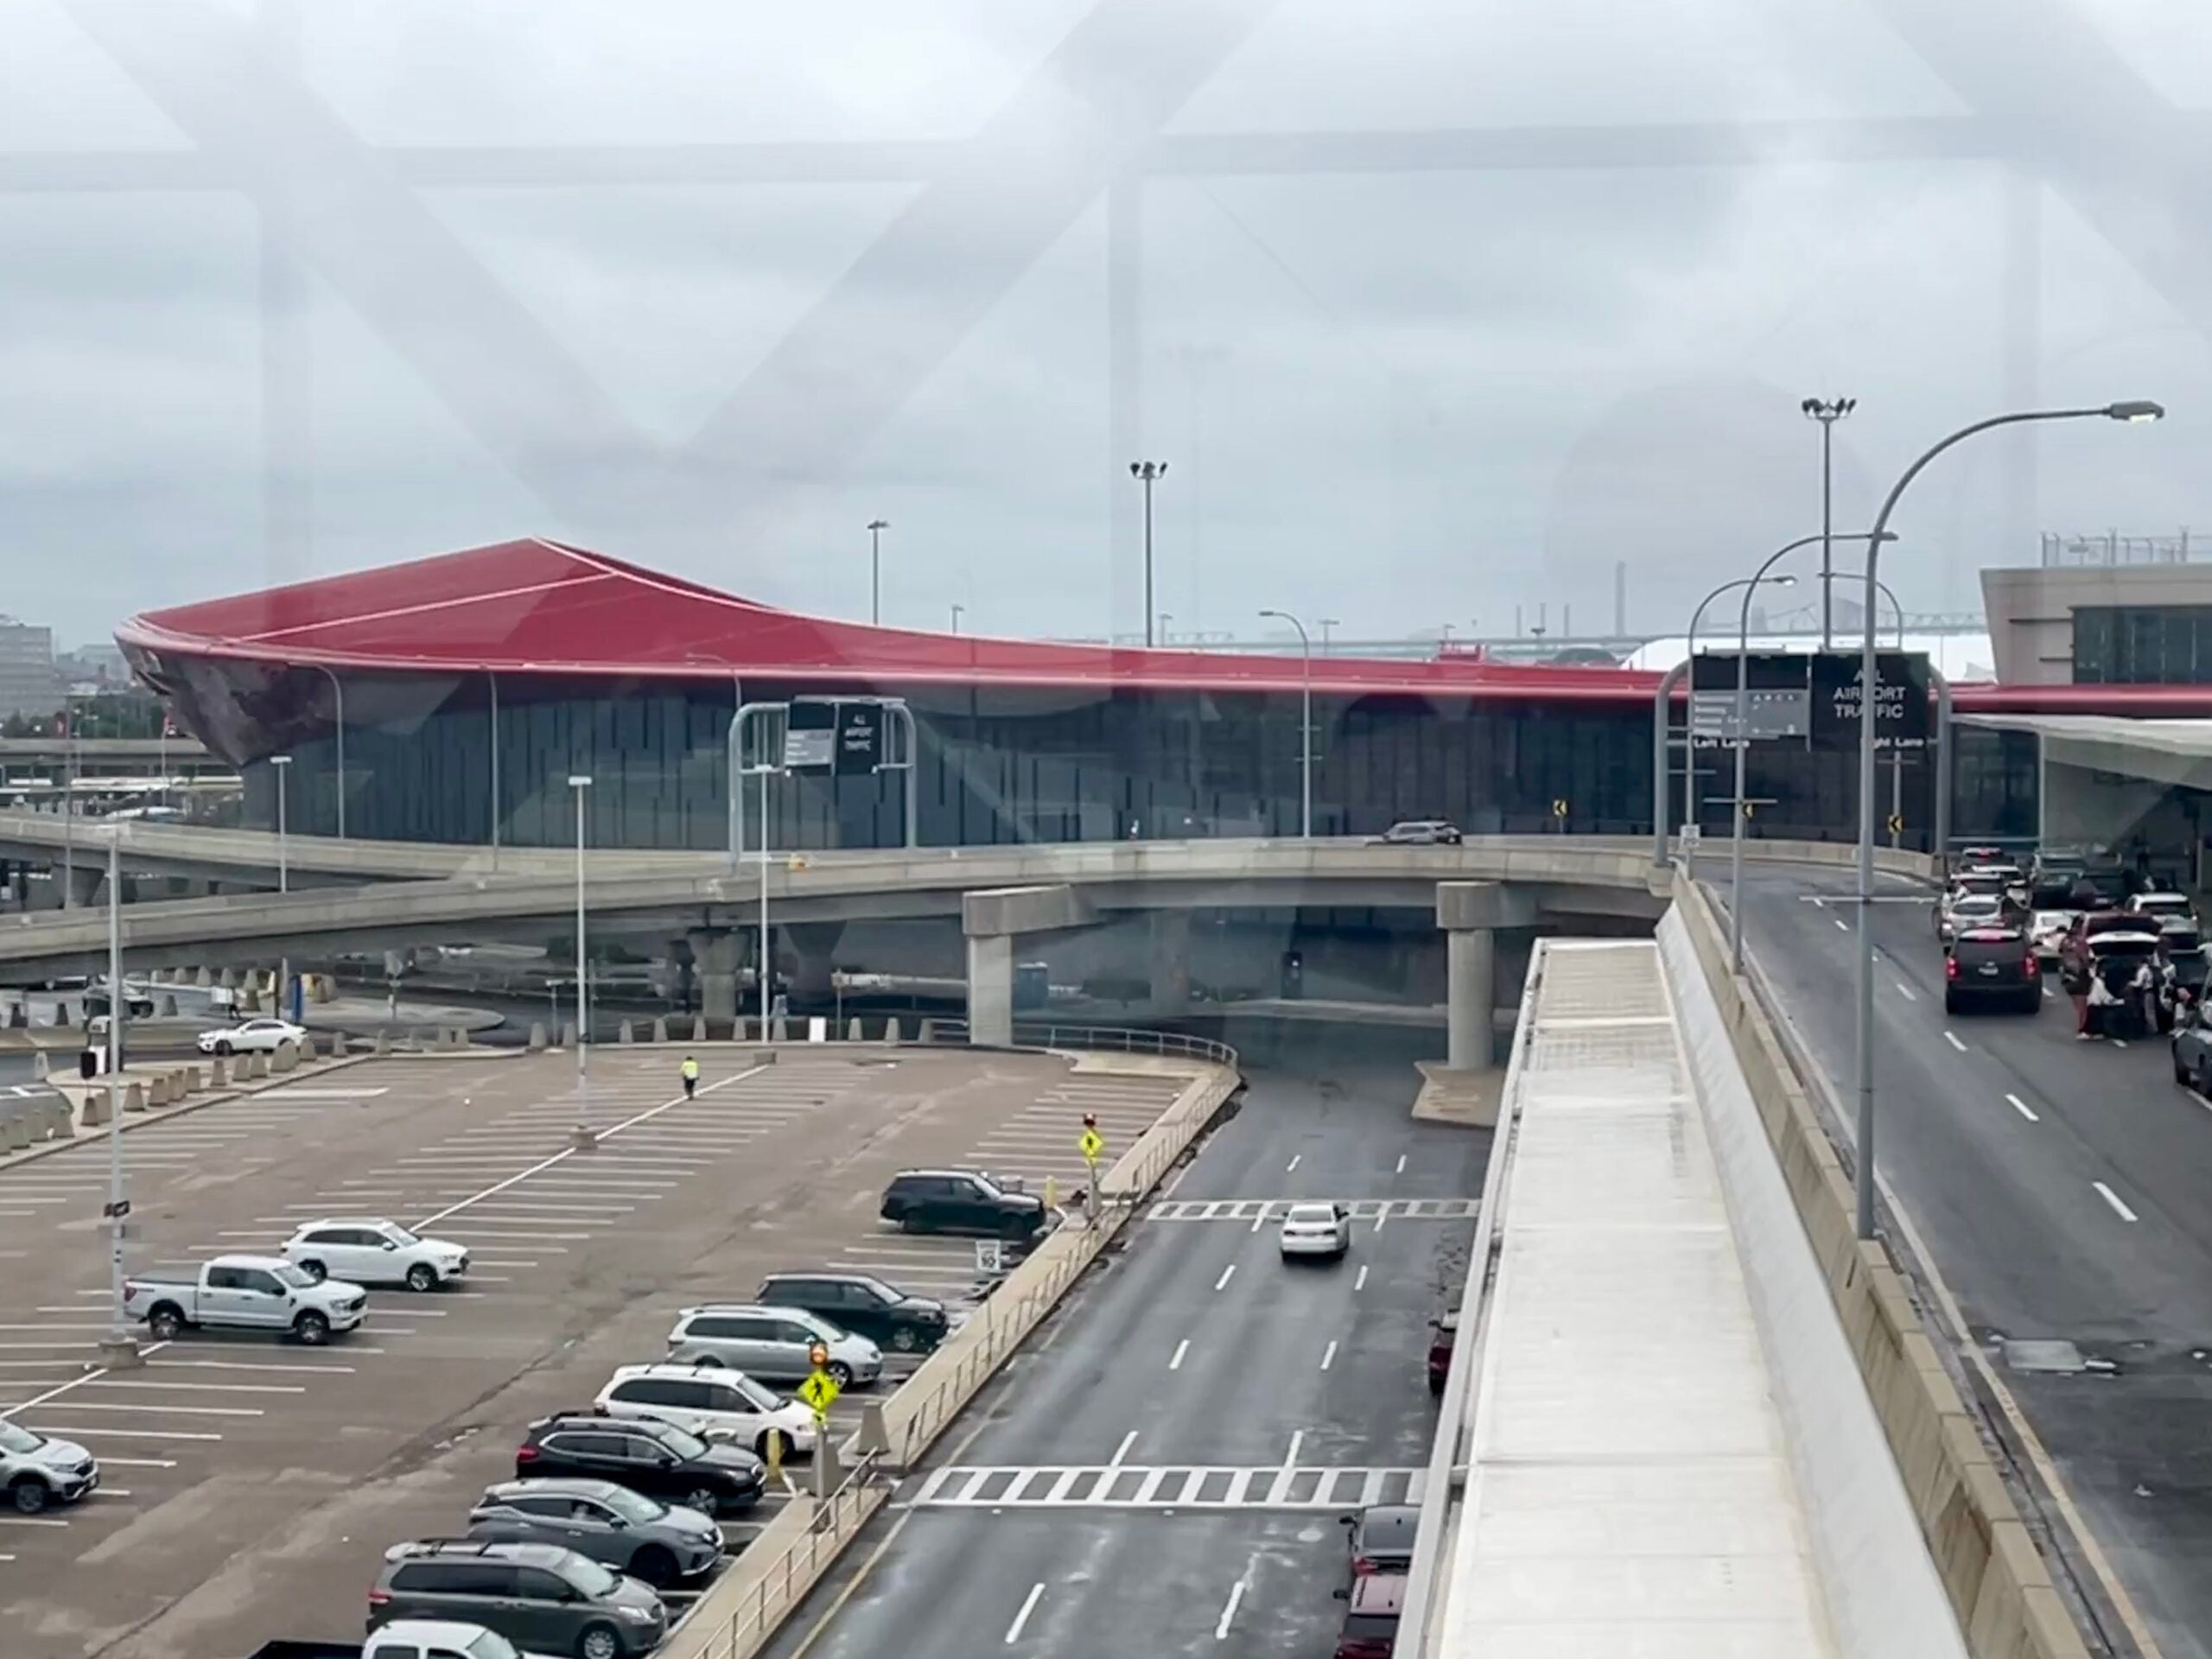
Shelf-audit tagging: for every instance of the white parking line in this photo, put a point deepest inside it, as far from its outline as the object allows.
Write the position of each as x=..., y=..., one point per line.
x=1952, y=1038
x=138, y=1463
x=162, y=1406
x=1228, y=1612
x=2113, y=1200
x=2023, y=1109
x=104, y=1433
x=1028, y=1606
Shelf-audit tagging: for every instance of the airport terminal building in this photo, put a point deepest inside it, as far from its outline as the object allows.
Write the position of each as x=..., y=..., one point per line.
x=452, y=699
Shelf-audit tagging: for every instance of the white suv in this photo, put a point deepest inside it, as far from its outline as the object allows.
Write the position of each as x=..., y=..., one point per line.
x=710, y=1402
x=374, y=1252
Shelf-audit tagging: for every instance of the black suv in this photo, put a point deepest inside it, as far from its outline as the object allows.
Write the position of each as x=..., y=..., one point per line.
x=540, y=1597
x=1991, y=964
x=657, y=1459
x=961, y=1201
x=864, y=1305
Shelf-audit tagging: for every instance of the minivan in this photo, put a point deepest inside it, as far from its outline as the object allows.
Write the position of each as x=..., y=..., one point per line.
x=710, y=1402
x=540, y=1597
x=774, y=1342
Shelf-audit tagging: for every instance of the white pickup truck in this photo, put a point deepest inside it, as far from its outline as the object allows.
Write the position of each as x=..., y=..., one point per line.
x=246, y=1292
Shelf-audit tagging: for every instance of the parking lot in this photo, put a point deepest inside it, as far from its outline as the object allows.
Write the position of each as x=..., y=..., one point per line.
x=250, y=1485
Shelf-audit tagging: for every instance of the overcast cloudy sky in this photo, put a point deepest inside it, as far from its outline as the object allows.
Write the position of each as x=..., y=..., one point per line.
x=1435, y=309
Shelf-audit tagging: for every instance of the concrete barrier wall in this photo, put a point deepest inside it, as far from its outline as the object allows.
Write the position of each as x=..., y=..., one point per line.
x=1884, y=1596
x=1995, y=1580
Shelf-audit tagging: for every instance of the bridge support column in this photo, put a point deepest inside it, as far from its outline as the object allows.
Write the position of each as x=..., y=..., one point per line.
x=1471, y=971
x=991, y=990
x=1169, y=961
x=714, y=952
x=992, y=920
x=1471, y=912
x=814, y=949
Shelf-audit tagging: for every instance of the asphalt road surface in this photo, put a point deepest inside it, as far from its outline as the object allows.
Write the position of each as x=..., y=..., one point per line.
x=250, y=1485
x=1163, y=1471
x=2064, y=1189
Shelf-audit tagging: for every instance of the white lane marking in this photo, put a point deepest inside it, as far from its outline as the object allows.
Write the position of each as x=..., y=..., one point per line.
x=1329, y=1356
x=2113, y=1200
x=1258, y=1221
x=1227, y=1273
x=1904, y=990
x=1293, y=1163
x=567, y=1152
x=1181, y=1349
x=1028, y=1606
x=1952, y=1038
x=1843, y=924
x=1360, y=1283
x=2119, y=1042
x=1236, y=1595
x=1123, y=1450
x=2023, y=1109
x=1381, y=1215
x=1402, y=1164
x=1297, y=1440
x=92, y=1375
x=2046, y=990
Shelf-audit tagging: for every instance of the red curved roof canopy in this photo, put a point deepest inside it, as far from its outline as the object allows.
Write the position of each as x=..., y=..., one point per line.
x=543, y=607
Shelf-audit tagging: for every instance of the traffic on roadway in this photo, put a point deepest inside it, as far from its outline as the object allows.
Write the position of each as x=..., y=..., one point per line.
x=2046, y=1156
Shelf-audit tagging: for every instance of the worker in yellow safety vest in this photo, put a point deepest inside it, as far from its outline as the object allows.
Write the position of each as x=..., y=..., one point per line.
x=691, y=1070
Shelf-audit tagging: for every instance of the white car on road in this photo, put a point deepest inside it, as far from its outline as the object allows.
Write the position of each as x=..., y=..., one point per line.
x=712, y=1401
x=372, y=1250
x=252, y=1036
x=2047, y=931
x=1317, y=1229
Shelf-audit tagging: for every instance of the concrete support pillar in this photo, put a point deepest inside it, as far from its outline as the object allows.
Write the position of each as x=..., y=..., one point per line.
x=714, y=952
x=814, y=948
x=991, y=990
x=84, y=884
x=1470, y=972
x=1169, y=957
x=1471, y=912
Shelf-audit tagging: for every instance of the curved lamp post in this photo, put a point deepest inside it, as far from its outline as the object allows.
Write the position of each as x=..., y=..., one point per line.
x=2134, y=412
x=1304, y=724
x=1742, y=742
x=1689, y=657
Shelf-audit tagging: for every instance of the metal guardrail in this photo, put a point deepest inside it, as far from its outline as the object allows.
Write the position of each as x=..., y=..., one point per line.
x=1119, y=1039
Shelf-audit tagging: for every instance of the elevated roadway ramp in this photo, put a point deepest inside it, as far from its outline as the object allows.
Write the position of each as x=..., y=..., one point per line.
x=1661, y=1455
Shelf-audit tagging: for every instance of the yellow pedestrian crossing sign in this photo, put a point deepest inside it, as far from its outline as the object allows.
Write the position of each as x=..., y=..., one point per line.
x=820, y=1393
x=1092, y=1144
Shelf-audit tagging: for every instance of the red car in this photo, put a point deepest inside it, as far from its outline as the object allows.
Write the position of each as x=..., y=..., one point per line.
x=1372, y=1610
x=1442, y=1334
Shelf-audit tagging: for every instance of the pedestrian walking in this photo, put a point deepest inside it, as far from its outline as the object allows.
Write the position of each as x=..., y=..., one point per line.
x=690, y=1069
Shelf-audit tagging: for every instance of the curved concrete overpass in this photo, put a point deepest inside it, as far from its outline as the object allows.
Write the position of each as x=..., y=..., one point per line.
x=1551, y=879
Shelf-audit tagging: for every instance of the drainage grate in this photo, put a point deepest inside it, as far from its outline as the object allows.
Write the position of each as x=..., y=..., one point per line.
x=2044, y=1354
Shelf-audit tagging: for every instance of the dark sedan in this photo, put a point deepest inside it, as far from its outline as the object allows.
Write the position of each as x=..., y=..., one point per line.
x=862, y=1304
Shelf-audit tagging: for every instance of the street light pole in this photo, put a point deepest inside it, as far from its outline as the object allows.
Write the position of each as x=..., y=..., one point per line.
x=762, y=970
x=1325, y=624
x=1869, y=697
x=1828, y=414
x=118, y=1351
x=583, y=1137
x=338, y=699
x=1305, y=723
x=957, y=609
x=282, y=765
x=1147, y=473
x=875, y=528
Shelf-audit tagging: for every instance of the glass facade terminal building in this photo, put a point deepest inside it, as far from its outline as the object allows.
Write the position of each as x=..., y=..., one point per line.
x=451, y=698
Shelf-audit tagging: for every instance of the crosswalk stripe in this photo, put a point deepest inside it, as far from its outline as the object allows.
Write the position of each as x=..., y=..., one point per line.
x=1273, y=1209
x=1176, y=1486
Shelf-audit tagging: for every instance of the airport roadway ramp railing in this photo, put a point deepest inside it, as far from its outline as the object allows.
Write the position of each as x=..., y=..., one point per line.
x=1649, y=1465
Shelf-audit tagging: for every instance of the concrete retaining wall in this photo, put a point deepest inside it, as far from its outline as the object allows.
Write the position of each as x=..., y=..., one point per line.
x=1997, y=1584
x=1884, y=1597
